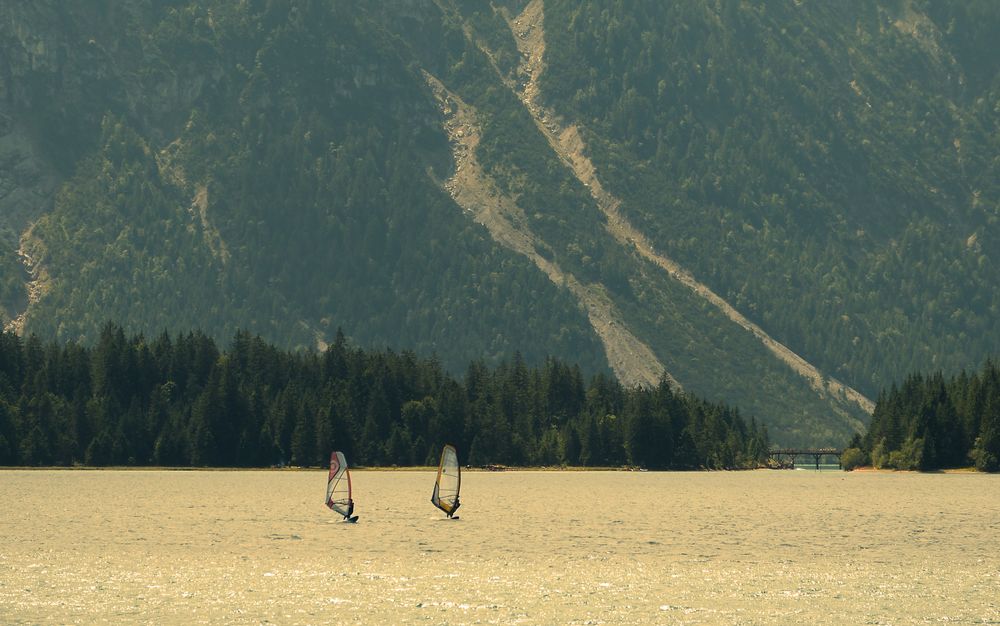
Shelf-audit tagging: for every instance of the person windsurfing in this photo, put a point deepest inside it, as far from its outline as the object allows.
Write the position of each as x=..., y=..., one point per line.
x=448, y=482
x=338, y=488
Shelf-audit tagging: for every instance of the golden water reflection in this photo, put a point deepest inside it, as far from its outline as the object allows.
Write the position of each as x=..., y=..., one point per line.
x=530, y=547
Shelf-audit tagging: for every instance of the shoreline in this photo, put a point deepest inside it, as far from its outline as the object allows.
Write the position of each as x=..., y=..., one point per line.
x=868, y=469
x=316, y=468
x=487, y=469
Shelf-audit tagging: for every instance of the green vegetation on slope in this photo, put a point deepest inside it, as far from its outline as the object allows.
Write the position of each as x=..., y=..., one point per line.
x=290, y=197
x=13, y=296
x=828, y=169
x=271, y=165
x=705, y=352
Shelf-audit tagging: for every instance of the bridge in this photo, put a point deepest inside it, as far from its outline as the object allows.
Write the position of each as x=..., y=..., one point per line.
x=791, y=455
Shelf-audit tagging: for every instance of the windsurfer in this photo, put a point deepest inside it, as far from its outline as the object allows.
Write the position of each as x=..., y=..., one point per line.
x=448, y=482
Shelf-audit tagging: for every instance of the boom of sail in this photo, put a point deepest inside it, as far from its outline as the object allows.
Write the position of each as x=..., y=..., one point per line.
x=338, y=487
x=448, y=483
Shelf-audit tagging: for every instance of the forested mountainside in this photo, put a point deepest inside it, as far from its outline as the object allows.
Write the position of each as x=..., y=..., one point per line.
x=260, y=168
x=784, y=207
x=844, y=151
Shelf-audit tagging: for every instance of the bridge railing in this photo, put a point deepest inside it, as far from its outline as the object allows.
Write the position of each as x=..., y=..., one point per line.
x=792, y=454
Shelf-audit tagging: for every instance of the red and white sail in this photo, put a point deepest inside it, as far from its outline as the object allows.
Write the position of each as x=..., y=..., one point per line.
x=338, y=486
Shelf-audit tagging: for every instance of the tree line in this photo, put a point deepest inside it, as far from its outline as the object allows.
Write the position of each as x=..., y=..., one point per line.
x=182, y=401
x=930, y=423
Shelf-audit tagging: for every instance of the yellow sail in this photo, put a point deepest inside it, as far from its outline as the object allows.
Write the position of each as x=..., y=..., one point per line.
x=449, y=482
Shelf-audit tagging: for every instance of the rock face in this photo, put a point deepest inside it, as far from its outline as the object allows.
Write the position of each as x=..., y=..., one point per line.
x=31, y=51
x=64, y=68
x=61, y=72
x=27, y=179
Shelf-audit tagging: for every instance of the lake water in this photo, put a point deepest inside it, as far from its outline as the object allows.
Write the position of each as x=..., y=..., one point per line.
x=781, y=547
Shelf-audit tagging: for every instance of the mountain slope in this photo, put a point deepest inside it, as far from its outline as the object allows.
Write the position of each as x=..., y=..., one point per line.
x=566, y=141
x=780, y=207
x=291, y=198
x=846, y=154
x=705, y=354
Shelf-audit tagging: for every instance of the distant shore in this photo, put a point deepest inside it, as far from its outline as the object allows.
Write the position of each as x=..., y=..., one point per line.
x=950, y=470
x=297, y=468
x=430, y=468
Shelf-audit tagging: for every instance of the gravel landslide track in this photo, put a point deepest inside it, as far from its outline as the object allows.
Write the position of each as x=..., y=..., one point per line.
x=632, y=361
x=568, y=143
x=30, y=251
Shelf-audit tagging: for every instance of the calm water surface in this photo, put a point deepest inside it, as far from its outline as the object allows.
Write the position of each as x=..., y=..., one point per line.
x=531, y=547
